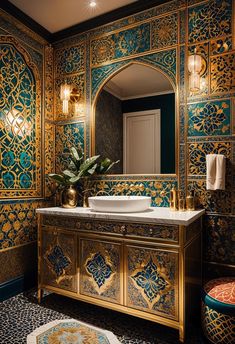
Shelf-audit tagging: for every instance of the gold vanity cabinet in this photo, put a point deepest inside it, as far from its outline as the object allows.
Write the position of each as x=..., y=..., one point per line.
x=58, y=258
x=101, y=269
x=152, y=271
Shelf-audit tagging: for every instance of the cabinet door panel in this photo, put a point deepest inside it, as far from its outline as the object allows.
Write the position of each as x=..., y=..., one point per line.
x=100, y=269
x=152, y=280
x=59, y=252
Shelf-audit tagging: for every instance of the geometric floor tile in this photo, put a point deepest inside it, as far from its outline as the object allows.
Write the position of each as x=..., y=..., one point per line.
x=21, y=315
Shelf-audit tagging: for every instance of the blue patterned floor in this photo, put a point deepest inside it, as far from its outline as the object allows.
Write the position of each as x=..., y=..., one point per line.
x=21, y=314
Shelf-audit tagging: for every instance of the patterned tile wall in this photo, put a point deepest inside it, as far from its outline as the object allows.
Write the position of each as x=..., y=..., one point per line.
x=157, y=37
x=26, y=69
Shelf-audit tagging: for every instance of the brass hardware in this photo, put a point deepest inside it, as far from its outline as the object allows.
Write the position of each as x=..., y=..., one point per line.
x=150, y=231
x=190, y=203
x=173, y=199
x=123, y=229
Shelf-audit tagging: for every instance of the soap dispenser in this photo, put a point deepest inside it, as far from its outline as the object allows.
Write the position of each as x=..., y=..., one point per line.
x=173, y=199
x=190, y=203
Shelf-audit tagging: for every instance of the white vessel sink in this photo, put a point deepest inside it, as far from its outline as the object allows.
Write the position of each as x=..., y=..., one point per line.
x=119, y=204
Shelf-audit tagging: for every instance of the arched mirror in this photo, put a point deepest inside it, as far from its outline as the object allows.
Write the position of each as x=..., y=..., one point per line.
x=134, y=121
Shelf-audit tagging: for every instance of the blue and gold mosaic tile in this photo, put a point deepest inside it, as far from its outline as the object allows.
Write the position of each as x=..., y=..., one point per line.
x=210, y=20
x=164, y=31
x=20, y=125
x=209, y=118
x=221, y=45
x=70, y=60
x=220, y=239
x=197, y=156
x=222, y=70
x=67, y=136
x=121, y=44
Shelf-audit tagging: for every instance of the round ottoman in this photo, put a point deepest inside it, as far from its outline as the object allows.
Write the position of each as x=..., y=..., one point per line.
x=218, y=310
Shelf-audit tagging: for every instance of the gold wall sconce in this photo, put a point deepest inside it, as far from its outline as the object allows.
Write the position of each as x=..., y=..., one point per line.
x=196, y=67
x=69, y=93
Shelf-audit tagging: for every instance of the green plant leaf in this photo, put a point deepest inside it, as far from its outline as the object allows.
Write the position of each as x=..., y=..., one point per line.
x=92, y=170
x=87, y=164
x=69, y=173
x=58, y=178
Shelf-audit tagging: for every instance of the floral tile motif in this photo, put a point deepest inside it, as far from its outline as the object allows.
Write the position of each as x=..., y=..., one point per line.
x=18, y=223
x=151, y=282
x=165, y=60
x=158, y=190
x=58, y=261
x=124, y=43
x=222, y=73
x=49, y=155
x=219, y=201
x=210, y=118
x=99, y=269
x=70, y=60
x=77, y=83
x=210, y=20
x=68, y=136
x=221, y=45
x=20, y=122
x=220, y=239
x=197, y=156
x=164, y=31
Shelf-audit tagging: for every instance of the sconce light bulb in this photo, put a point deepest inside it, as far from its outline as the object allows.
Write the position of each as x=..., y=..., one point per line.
x=195, y=63
x=65, y=106
x=65, y=91
x=92, y=4
x=194, y=82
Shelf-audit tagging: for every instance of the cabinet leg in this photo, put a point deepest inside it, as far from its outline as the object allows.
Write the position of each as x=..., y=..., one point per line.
x=40, y=295
x=181, y=335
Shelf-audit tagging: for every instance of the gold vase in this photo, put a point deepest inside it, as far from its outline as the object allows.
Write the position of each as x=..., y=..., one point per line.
x=69, y=197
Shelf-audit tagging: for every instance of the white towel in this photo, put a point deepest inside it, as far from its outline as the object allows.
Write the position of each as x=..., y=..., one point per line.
x=215, y=172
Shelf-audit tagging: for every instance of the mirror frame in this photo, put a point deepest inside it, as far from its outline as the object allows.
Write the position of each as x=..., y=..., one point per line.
x=93, y=110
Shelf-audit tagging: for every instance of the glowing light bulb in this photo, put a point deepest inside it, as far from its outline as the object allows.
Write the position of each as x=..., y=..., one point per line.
x=92, y=4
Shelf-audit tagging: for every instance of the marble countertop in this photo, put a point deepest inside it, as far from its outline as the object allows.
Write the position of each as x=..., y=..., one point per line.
x=156, y=215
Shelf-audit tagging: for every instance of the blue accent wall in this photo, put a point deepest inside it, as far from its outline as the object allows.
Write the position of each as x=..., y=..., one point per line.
x=166, y=103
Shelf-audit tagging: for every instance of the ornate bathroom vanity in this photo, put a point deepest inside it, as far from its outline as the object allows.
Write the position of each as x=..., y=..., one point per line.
x=144, y=264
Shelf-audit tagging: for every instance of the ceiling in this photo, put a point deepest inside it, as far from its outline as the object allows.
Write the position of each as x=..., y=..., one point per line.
x=137, y=81
x=56, y=15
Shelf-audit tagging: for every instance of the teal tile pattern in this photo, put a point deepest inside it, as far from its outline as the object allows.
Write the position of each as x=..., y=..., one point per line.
x=210, y=118
x=68, y=136
x=70, y=60
x=164, y=60
x=18, y=122
x=121, y=44
x=210, y=20
x=197, y=155
x=164, y=31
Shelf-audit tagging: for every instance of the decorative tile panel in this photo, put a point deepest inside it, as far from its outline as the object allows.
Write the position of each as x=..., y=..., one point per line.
x=20, y=124
x=219, y=201
x=77, y=82
x=197, y=156
x=49, y=91
x=59, y=256
x=49, y=156
x=152, y=280
x=18, y=223
x=70, y=60
x=68, y=136
x=222, y=73
x=220, y=239
x=210, y=20
x=219, y=46
x=164, y=31
x=163, y=60
x=158, y=190
x=100, y=269
x=210, y=118
x=121, y=44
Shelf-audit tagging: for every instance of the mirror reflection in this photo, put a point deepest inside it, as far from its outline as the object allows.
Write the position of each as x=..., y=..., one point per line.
x=135, y=121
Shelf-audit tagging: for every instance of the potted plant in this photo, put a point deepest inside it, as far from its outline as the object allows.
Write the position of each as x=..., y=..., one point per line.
x=77, y=175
